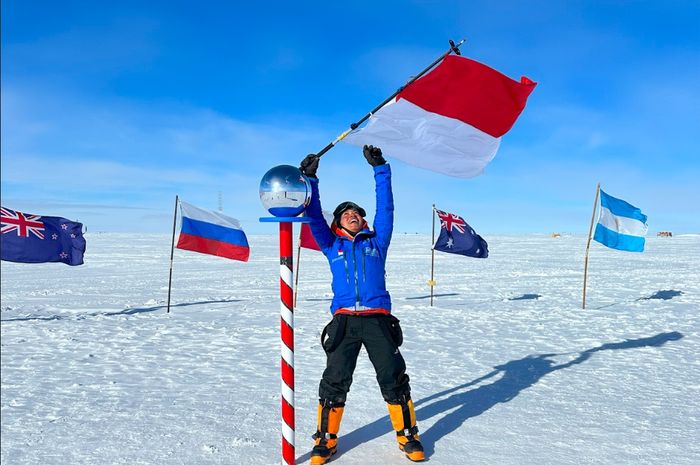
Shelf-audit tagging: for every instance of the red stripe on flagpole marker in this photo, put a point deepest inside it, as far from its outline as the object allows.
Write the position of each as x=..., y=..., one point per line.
x=287, y=452
x=287, y=294
x=288, y=413
x=287, y=374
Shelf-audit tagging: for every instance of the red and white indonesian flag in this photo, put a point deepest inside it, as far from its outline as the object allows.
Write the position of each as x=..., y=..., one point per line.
x=451, y=120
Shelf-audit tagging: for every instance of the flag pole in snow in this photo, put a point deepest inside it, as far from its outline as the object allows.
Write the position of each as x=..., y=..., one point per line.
x=172, y=251
x=432, y=282
x=453, y=48
x=588, y=245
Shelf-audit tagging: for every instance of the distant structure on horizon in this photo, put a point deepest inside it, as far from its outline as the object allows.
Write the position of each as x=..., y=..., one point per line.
x=664, y=234
x=556, y=234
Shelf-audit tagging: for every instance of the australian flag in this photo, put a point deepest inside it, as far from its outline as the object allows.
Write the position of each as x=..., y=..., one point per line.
x=456, y=236
x=29, y=238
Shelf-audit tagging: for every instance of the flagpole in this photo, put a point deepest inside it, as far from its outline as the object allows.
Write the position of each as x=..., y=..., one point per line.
x=588, y=245
x=432, y=261
x=172, y=252
x=453, y=48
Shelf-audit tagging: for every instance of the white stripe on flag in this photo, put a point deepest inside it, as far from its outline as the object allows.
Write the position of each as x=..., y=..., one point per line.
x=621, y=224
x=427, y=140
x=192, y=212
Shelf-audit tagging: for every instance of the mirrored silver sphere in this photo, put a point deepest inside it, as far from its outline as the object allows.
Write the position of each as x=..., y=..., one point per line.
x=285, y=191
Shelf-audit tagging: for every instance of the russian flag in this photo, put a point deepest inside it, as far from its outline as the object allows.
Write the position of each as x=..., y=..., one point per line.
x=212, y=233
x=620, y=225
x=451, y=120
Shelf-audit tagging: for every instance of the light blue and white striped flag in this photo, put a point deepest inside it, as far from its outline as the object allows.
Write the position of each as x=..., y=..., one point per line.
x=620, y=225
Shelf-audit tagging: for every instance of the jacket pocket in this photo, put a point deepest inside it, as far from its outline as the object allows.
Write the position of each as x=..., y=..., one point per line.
x=393, y=329
x=333, y=333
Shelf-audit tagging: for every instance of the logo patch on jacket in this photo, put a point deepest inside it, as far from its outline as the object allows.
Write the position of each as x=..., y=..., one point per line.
x=371, y=252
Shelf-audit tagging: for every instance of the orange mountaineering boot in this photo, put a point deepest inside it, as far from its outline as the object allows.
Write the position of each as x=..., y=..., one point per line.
x=403, y=419
x=326, y=436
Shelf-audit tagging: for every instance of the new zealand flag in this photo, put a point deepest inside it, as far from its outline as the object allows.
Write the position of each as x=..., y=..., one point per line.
x=456, y=236
x=29, y=238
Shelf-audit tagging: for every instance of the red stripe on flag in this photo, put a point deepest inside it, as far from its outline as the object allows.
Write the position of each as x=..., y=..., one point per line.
x=213, y=247
x=471, y=92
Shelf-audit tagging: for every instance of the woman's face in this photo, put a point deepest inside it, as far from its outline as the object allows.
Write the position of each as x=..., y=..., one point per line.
x=351, y=220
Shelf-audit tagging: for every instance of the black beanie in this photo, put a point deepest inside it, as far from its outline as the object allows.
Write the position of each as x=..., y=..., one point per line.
x=347, y=206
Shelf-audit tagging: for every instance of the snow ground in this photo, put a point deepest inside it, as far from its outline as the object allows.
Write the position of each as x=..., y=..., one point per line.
x=506, y=367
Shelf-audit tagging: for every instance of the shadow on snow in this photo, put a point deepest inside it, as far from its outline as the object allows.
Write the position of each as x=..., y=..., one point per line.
x=464, y=403
x=663, y=295
x=526, y=297
x=132, y=311
x=127, y=311
x=658, y=295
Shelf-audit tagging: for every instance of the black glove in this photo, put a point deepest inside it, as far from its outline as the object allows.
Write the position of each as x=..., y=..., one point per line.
x=309, y=165
x=373, y=155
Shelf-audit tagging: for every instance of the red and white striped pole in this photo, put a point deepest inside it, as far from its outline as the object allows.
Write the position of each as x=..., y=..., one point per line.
x=287, y=346
x=287, y=332
x=285, y=192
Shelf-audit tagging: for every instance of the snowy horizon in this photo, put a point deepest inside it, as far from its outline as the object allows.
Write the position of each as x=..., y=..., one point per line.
x=487, y=235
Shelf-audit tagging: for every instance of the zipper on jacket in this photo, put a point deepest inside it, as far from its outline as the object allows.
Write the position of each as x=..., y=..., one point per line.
x=364, y=274
x=347, y=270
x=357, y=284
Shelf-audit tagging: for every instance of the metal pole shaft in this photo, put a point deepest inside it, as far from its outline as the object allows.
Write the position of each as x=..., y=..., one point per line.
x=432, y=261
x=588, y=245
x=172, y=251
x=287, y=339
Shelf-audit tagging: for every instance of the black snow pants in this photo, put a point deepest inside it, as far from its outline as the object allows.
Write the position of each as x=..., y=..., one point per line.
x=342, y=339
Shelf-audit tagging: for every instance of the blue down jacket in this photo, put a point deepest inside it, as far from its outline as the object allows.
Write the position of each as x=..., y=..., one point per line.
x=358, y=265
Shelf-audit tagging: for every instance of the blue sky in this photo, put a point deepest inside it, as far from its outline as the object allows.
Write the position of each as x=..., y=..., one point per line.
x=109, y=109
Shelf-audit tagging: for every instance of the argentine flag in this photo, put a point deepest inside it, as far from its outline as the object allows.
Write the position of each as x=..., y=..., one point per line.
x=620, y=225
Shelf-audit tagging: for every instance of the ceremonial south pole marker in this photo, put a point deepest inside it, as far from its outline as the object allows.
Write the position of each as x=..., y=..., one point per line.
x=285, y=193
